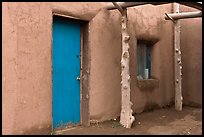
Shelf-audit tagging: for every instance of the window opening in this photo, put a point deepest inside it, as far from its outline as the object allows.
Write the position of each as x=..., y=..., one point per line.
x=143, y=61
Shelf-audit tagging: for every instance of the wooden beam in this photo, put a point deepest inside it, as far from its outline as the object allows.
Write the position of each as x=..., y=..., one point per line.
x=118, y=7
x=184, y=15
x=110, y=6
x=177, y=62
x=126, y=118
x=131, y=4
x=197, y=5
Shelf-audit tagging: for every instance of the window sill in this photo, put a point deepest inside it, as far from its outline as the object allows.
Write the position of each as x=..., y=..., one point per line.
x=148, y=84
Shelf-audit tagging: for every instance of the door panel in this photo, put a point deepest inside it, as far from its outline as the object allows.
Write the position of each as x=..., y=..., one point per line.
x=66, y=69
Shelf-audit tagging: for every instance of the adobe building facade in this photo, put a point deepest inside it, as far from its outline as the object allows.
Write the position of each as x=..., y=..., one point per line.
x=27, y=61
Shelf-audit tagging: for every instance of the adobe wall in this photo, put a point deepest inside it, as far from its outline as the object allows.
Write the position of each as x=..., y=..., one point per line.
x=27, y=63
x=191, y=48
x=151, y=26
x=105, y=43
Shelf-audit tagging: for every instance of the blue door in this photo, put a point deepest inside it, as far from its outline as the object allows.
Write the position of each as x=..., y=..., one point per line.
x=66, y=69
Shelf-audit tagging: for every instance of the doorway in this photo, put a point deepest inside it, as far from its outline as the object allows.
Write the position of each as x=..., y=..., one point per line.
x=65, y=73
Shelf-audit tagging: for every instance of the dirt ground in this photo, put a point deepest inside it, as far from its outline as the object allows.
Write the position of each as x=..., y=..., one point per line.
x=166, y=121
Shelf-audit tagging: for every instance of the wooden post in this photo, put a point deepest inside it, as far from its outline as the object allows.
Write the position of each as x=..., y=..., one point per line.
x=126, y=118
x=177, y=61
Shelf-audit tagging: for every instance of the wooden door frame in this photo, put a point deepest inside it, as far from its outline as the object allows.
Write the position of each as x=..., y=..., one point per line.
x=84, y=66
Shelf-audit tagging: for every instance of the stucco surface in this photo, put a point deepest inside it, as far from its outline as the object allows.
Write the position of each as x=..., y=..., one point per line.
x=105, y=50
x=26, y=67
x=151, y=27
x=191, y=48
x=26, y=75
x=27, y=61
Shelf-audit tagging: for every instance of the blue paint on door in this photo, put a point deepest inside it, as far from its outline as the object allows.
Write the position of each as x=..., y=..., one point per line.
x=66, y=69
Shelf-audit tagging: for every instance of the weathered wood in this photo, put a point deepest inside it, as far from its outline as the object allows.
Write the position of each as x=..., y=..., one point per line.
x=118, y=7
x=110, y=6
x=197, y=5
x=177, y=62
x=85, y=117
x=184, y=15
x=126, y=118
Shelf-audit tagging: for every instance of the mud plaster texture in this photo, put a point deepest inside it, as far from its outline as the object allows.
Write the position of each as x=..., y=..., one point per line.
x=106, y=53
x=27, y=61
x=27, y=64
x=191, y=55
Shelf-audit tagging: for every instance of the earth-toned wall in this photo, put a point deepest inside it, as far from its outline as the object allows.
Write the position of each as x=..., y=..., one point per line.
x=27, y=62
